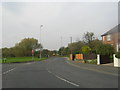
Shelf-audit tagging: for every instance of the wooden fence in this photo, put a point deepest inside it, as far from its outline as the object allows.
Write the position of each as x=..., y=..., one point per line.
x=83, y=56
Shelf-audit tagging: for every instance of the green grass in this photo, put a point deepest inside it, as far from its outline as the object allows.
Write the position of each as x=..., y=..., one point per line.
x=20, y=59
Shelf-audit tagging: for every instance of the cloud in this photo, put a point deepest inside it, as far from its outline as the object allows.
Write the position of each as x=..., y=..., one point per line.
x=66, y=19
x=0, y=24
x=14, y=7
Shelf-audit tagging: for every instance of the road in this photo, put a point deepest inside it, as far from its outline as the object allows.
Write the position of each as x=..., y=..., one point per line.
x=54, y=73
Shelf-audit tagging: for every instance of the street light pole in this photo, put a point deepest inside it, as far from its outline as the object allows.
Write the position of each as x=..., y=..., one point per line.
x=40, y=41
x=61, y=46
x=71, y=44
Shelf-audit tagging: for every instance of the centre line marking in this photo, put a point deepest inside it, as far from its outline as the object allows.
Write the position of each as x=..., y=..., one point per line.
x=67, y=81
x=8, y=71
x=64, y=79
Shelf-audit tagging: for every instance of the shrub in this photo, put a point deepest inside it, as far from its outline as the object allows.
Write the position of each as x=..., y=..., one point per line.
x=77, y=52
x=117, y=55
x=86, y=49
x=105, y=49
x=92, y=61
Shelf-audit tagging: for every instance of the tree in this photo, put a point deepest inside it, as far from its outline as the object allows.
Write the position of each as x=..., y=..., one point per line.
x=88, y=37
x=60, y=51
x=94, y=44
x=86, y=49
x=5, y=52
x=18, y=51
x=50, y=53
x=45, y=52
x=23, y=48
x=76, y=46
x=105, y=49
x=28, y=44
x=66, y=51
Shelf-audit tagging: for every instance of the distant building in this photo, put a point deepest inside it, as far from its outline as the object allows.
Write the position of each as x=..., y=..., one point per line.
x=112, y=37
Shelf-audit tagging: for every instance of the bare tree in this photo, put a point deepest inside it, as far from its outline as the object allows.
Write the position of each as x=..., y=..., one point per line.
x=88, y=37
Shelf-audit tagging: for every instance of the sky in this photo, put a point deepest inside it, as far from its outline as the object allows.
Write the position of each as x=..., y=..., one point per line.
x=60, y=20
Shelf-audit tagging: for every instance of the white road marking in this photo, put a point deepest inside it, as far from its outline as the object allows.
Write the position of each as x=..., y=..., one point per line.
x=67, y=81
x=28, y=63
x=64, y=79
x=8, y=71
x=49, y=71
x=13, y=69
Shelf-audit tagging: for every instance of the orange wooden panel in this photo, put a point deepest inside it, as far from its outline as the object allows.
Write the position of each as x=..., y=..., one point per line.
x=82, y=56
x=70, y=56
x=76, y=56
x=79, y=56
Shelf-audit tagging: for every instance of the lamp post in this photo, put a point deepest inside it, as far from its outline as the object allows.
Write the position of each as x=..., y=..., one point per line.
x=71, y=44
x=40, y=41
x=61, y=46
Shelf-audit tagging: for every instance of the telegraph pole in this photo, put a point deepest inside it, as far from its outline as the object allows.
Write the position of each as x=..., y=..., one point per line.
x=40, y=41
x=61, y=46
x=71, y=43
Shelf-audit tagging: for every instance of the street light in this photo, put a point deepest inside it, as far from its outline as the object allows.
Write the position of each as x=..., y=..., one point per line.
x=71, y=44
x=40, y=41
x=61, y=46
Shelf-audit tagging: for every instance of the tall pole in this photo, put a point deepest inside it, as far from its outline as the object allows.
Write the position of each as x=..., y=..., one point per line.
x=40, y=41
x=71, y=44
x=61, y=46
x=71, y=57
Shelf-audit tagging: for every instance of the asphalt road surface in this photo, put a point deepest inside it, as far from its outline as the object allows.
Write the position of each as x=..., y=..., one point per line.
x=54, y=73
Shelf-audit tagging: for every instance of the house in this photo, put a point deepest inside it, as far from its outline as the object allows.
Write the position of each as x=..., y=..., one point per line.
x=112, y=37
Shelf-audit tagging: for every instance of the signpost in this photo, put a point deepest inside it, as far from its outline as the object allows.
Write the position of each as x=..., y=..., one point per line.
x=32, y=54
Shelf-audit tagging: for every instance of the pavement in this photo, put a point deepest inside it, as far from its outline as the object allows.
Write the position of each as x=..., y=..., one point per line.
x=103, y=68
x=109, y=64
x=0, y=76
x=56, y=72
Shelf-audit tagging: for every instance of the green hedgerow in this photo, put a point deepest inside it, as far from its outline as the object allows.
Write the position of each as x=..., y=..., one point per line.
x=117, y=55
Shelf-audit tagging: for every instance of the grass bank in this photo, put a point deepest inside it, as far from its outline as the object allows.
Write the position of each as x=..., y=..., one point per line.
x=20, y=59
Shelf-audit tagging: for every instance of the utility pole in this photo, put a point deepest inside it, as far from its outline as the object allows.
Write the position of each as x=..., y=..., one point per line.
x=61, y=46
x=71, y=44
x=72, y=56
x=40, y=41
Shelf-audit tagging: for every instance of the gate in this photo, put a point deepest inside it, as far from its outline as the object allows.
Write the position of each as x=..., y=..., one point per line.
x=104, y=59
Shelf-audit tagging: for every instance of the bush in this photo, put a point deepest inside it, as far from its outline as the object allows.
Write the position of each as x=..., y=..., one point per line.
x=105, y=49
x=92, y=61
x=86, y=49
x=77, y=52
x=117, y=55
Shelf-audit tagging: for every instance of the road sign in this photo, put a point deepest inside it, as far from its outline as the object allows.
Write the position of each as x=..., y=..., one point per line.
x=32, y=51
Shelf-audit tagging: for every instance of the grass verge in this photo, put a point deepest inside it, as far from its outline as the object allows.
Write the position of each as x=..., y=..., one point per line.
x=20, y=59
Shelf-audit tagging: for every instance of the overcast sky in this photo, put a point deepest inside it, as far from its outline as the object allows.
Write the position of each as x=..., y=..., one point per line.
x=59, y=19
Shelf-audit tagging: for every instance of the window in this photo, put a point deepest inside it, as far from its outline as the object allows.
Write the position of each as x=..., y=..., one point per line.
x=108, y=37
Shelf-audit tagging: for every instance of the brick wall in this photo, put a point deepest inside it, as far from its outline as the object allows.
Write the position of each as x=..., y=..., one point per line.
x=115, y=39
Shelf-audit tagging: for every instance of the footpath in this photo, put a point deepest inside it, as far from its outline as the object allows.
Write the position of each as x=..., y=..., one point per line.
x=106, y=69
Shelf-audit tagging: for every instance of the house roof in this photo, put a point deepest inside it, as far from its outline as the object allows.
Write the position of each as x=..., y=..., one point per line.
x=113, y=30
